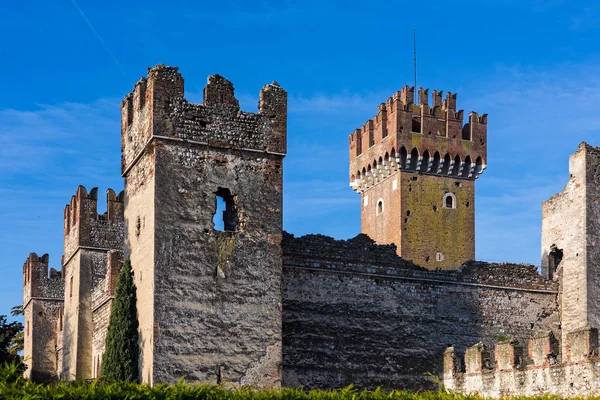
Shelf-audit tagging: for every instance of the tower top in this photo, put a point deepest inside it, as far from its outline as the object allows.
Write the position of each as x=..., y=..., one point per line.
x=423, y=137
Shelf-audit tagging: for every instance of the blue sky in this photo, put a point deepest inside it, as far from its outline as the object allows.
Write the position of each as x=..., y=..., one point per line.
x=533, y=66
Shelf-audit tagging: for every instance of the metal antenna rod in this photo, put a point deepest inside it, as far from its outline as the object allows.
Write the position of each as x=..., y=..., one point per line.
x=415, y=52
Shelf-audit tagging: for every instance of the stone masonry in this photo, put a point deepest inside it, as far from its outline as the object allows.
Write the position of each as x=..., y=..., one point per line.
x=244, y=303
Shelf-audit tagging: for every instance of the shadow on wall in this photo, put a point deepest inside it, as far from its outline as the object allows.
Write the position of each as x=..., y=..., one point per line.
x=355, y=313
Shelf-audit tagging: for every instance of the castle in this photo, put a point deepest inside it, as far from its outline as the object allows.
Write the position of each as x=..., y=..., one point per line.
x=250, y=304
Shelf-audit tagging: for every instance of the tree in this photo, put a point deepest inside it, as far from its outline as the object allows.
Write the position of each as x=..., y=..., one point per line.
x=18, y=341
x=8, y=333
x=120, y=360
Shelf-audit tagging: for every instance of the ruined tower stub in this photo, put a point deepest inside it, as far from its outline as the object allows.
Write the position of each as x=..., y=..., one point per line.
x=570, y=237
x=42, y=309
x=415, y=167
x=209, y=296
x=89, y=237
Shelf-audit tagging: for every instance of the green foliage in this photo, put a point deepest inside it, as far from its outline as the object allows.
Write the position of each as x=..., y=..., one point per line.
x=9, y=333
x=120, y=360
x=101, y=389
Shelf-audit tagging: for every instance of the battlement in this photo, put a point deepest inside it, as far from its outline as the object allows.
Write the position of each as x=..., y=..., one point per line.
x=361, y=255
x=418, y=137
x=83, y=226
x=157, y=109
x=506, y=368
x=39, y=280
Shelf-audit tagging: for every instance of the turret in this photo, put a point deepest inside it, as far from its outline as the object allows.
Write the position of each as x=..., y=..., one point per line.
x=42, y=308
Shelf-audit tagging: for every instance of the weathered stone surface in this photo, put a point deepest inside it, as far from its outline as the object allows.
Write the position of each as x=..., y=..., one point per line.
x=355, y=313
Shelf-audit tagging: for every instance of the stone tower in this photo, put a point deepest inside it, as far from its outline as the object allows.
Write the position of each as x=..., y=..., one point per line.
x=570, y=233
x=209, y=295
x=42, y=309
x=415, y=167
x=89, y=239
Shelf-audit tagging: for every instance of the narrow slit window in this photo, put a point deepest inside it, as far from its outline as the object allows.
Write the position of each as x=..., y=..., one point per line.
x=226, y=216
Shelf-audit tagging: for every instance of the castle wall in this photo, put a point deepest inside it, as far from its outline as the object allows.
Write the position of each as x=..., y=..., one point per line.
x=139, y=248
x=534, y=372
x=226, y=286
x=571, y=228
x=355, y=313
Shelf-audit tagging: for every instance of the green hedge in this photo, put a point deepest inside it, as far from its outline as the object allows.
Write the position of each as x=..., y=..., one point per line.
x=14, y=386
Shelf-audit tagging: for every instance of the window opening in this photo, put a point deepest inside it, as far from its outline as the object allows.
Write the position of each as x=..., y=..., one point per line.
x=449, y=200
x=71, y=287
x=226, y=217
x=380, y=207
x=554, y=259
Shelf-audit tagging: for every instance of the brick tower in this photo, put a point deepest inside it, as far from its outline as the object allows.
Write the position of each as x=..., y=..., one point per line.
x=209, y=294
x=415, y=167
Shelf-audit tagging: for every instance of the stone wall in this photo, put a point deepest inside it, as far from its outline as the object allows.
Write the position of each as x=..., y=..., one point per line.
x=42, y=306
x=538, y=369
x=355, y=313
x=89, y=237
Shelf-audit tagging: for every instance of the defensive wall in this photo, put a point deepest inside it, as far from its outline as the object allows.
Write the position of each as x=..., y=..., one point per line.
x=356, y=313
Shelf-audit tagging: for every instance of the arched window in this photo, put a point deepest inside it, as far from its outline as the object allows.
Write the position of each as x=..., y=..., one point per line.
x=466, y=167
x=379, y=207
x=446, y=166
x=449, y=200
x=436, y=163
x=425, y=162
x=554, y=258
x=414, y=159
x=456, y=166
x=386, y=158
x=358, y=174
x=403, y=156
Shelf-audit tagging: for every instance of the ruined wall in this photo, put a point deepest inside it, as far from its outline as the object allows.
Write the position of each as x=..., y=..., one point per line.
x=42, y=306
x=428, y=149
x=209, y=301
x=570, y=231
x=88, y=239
x=533, y=368
x=355, y=313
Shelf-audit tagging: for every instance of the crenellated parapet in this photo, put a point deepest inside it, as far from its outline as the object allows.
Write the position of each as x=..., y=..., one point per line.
x=157, y=109
x=83, y=226
x=41, y=281
x=424, y=138
x=514, y=369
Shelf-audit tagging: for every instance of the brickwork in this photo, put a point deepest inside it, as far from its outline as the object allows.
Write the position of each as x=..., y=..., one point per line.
x=406, y=161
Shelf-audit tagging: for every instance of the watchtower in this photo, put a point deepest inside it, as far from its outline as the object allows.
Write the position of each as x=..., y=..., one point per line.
x=415, y=167
x=42, y=309
x=89, y=237
x=209, y=282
